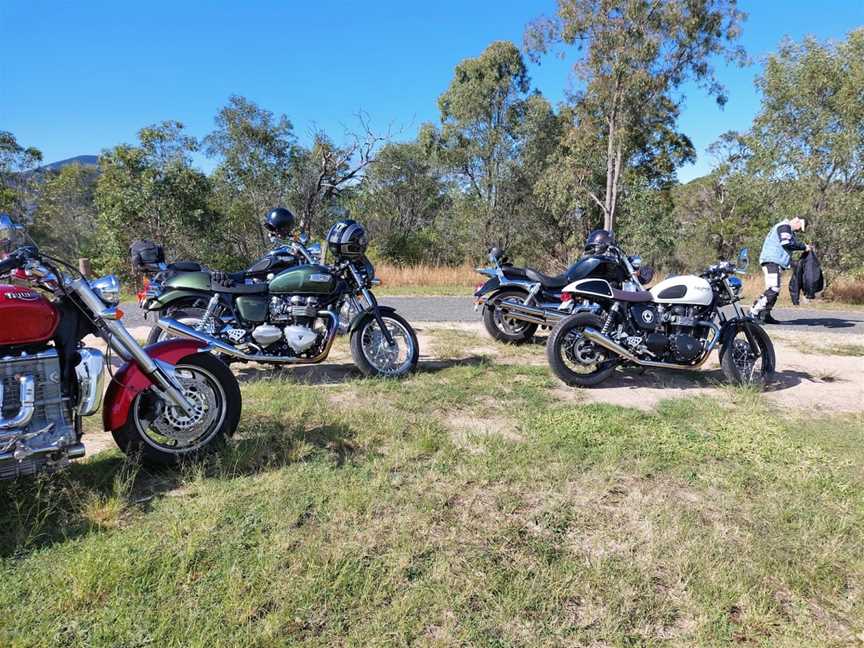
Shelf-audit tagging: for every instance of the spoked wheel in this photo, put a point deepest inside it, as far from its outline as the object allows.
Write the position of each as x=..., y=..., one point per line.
x=744, y=365
x=503, y=327
x=574, y=359
x=164, y=434
x=375, y=357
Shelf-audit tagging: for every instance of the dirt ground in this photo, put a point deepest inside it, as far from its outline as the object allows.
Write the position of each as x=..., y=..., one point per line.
x=813, y=374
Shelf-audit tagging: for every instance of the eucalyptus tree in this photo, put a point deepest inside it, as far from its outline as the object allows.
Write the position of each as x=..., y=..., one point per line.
x=632, y=57
x=18, y=165
x=152, y=191
x=255, y=150
x=808, y=140
x=478, y=139
x=65, y=217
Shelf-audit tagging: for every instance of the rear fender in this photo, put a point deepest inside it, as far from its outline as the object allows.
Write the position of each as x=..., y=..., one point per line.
x=129, y=380
x=172, y=297
x=490, y=285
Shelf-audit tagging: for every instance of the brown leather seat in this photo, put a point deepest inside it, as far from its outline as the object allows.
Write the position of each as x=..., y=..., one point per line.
x=636, y=297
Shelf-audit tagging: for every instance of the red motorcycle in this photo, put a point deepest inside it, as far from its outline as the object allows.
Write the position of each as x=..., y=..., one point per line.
x=169, y=401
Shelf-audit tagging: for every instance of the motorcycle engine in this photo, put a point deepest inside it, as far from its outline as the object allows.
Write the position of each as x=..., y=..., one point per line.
x=292, y=323
x=50, y=421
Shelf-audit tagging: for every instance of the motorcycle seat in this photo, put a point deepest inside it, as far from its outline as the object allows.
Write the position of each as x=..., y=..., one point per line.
x=546, y=281
x=634, y=297
x=513, y=272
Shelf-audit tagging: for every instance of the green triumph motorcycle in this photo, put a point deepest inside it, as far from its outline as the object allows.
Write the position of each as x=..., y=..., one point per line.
x=294, y=316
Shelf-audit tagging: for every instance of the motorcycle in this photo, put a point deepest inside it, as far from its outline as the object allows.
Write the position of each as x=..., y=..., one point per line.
x=168, y=402
x=148, y=259
x=675, y=325
x=516, y=301
x=291, y=318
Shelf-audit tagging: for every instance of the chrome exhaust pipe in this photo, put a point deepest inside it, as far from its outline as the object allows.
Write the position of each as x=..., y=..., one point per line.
x=172, y=326
x=530, y=314
x=27, y=398
x=599, y=339
x=74, y=451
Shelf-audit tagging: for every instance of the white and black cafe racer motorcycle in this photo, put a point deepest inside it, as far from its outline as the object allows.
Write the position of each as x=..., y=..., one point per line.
x=169, y=401
x=675, y=325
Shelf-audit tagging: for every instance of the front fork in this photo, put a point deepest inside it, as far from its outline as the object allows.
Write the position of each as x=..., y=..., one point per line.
x=127, y=346
x=373, y=306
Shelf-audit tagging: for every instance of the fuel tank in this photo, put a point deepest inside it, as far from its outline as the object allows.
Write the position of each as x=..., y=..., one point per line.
x=25, y=316
x=597, y=267
x=311, y=279
x=686, y=289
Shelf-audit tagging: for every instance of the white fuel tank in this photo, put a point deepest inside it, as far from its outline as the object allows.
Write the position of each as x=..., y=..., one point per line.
x=686, y=289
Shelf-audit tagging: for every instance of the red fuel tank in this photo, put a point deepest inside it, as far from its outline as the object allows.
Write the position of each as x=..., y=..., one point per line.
x=25, y=316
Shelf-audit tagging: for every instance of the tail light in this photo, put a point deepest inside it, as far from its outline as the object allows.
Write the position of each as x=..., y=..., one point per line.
x=566, y=297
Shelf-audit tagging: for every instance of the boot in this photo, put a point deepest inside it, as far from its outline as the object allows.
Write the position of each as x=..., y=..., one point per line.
x=767, y=318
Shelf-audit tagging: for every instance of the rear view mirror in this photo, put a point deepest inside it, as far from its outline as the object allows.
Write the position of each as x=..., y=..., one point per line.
x=743, y=259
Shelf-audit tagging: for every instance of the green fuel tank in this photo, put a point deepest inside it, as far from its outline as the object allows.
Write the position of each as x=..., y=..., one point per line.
x=189, y=281
x=310, y=279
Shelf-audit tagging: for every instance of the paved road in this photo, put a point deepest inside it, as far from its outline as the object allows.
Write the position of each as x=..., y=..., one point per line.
x=461, y=309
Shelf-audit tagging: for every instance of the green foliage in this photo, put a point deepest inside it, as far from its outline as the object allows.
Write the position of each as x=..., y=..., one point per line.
x=152, y=191
x=256, y=151
x=634, y=56
x=65, y=218
x=17, y=164
x=808, y=139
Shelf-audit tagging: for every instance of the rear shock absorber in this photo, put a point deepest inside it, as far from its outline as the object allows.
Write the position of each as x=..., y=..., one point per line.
x=208, y=320
x=610, y=318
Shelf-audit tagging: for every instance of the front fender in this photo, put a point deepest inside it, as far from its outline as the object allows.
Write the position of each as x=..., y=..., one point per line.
x=730, y=329
x=129, y=380
x=360, y=318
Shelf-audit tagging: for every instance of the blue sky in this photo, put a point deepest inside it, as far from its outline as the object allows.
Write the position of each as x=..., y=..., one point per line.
x=77, y=77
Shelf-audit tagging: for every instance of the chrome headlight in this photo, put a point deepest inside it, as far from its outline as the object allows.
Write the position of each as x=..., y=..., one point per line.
x=108, y=289
x=735, y=284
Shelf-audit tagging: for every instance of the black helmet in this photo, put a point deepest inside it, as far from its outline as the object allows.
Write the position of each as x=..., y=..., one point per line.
x=598, y=241
x=347, y=239
x=279, y=222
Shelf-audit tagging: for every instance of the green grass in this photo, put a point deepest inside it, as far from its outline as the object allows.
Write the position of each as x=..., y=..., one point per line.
x=379, y=513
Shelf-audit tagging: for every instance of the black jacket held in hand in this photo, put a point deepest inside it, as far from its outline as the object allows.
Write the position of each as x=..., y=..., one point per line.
x=806, y=278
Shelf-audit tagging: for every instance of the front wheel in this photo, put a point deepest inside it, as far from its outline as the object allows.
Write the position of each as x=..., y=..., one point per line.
x=375, y=357
x=575, y=360
x=164, y=435
x=739, y=362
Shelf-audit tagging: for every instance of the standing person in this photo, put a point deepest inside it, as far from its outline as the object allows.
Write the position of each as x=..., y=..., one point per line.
x=775, y=258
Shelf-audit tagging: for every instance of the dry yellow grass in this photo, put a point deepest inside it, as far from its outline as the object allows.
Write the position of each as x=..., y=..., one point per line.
x=426, y=276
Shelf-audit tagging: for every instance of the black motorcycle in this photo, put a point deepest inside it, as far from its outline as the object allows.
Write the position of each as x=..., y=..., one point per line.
x=293, y=316
x=675, y=325
x=516, y=300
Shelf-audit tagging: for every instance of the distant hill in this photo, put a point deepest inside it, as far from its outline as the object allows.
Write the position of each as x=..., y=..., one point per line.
x=83, y=160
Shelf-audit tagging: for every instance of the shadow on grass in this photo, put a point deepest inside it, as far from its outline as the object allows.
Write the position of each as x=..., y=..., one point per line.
x=100, y=493
x=337, y=374
x=696, y=379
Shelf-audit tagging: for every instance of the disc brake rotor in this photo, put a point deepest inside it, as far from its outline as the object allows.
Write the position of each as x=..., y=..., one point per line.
x=176, y=424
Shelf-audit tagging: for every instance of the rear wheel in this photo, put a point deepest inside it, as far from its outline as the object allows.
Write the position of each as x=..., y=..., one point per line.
x=188, y=315
x=503, y=327
x=165, y=435
x=575, y=360
x=739, y=362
